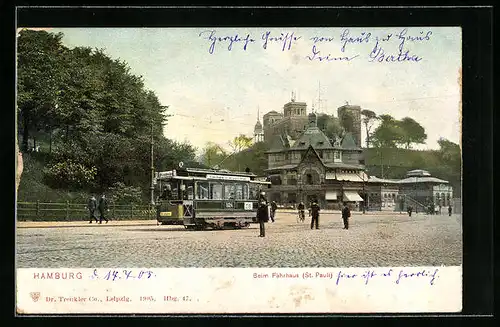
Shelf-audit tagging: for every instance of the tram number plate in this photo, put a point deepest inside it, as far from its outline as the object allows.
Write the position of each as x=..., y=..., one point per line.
x=165, y=214
x=248, y=205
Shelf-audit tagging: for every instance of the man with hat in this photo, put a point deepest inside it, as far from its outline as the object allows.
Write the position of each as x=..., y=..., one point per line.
x=262, y=213
x=314, y=213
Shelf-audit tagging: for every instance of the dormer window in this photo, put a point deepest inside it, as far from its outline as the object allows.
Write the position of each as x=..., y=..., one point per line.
x=321, y=143
x=302, y=143
x=336, y=156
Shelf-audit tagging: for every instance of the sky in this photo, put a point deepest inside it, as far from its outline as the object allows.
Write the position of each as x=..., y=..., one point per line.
x=215, y=94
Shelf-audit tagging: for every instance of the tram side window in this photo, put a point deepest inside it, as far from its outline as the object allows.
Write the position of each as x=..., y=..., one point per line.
x=239, y=191
x=216, y=191
x=229, y=191
x=246, y=192
x=203, y=191
x=189, y=192
x=254, y=191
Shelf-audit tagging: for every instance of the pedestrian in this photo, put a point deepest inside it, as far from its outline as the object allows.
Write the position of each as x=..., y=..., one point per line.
x=103, y=208
x=262, y=214
x=274, y=206
x=92, y=206
x=346, y=213
x=449, y=210
x=410, y=210
x=301, y=207
x=314, y=214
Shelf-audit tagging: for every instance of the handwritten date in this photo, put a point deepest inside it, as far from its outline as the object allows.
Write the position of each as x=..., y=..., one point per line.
x=113, y=275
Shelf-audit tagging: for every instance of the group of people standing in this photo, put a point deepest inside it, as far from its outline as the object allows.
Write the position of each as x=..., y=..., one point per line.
x=314, y=209
x=101, y=205
x=431, y=210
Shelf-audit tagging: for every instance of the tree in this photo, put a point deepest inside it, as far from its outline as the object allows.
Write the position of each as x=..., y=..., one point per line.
x=39, y=77
x=253, y=158
x=450, y=154
x=388, y=134
x=330, y=126
x=413, y=132
x=240, y=142
x=169, y=153
x=213, y=154
x=369, y=118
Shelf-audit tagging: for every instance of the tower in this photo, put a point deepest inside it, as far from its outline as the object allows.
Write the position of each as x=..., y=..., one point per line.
x=350, y=119
x=258, y=132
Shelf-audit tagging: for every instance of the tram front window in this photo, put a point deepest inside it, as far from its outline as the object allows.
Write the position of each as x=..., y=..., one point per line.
x=170, y=192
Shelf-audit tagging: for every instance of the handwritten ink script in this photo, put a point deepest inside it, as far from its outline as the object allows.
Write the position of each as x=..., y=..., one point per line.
x=370, y=46
x=396, y=276
x=113, y=275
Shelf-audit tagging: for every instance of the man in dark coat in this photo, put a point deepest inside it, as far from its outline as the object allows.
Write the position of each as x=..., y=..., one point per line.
x=346, y=214
x=274, y=206
x=449, y=210
x=410, y=210
x=92, y=206
x=262, y=214
x=103, y=208
x=315, y=214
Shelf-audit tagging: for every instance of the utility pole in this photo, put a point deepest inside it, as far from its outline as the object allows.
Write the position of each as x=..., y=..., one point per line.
x=152, y=188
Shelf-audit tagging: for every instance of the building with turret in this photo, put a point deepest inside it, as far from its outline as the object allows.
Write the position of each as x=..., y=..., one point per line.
x=258, y=131
x=292, y=122
x=311, y=166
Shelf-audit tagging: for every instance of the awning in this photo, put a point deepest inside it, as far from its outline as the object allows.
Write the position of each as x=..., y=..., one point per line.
x=352, y=197
x=347, y=177
x=330, y=176
x=331, y=195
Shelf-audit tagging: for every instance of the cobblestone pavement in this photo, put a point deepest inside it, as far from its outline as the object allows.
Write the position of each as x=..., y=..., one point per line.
x=390, y=239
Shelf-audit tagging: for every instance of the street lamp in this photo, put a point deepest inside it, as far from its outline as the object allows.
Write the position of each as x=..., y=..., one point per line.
x=152, y=187
x=364, y=192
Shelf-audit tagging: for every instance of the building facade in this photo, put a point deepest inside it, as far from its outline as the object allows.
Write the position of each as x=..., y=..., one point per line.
x=419, y=189
x=314, y=167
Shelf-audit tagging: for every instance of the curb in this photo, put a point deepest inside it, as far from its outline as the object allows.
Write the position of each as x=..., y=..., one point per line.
x=64, y=224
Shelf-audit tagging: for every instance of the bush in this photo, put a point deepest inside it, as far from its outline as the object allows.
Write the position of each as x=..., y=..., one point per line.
x=68, y=174
x=122, y=194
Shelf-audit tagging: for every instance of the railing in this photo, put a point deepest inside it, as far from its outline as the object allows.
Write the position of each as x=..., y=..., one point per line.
x=66, y=211
x=417, y=206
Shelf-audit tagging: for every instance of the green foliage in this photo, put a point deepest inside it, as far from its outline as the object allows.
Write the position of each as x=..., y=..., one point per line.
x=240, y=142
x=32, y=187
x=213, y=154
x=122, y=194
x=69, y=174
x=369, y=118
x=253, y=158
x=38, y=79
x=99, y=116
x=169, y=153
x=413, y=132
x=330, y=125
x=396, y=162
x=394, y=133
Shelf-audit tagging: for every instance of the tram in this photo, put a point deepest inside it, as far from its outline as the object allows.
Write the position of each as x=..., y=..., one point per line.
x=207, y=198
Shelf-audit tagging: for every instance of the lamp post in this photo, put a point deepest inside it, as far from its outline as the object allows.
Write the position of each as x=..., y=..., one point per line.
x=152, y=187
x=364, y=192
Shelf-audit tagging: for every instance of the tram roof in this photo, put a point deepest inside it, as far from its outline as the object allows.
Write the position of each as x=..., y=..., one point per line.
x=201, y=172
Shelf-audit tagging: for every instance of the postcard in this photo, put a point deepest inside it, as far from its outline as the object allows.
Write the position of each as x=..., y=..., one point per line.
x=239, y=170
